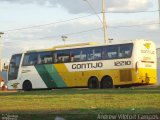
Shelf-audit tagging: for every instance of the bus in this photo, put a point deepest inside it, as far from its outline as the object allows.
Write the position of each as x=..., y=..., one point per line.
x=84, y=65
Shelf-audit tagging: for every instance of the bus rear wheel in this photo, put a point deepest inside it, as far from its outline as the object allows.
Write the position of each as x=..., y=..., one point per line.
x=27, y=86
x=93, y=83
x=106, y=82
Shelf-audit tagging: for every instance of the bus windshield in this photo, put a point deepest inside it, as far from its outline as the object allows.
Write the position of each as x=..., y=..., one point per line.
x=14, y=67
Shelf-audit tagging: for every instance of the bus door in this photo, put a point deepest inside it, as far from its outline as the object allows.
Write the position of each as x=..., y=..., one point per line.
x=14, y=67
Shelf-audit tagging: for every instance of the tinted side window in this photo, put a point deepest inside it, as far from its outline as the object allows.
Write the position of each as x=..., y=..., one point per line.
x=45, y=57
x=55, y=59
x=63, y=56
x=104, y=53
x=90, y=54
x=110, y=52
x=94, y=53
x=97, y=53
x=30, y=59
x=84, y=54
x=78, y=55
x=125, y=51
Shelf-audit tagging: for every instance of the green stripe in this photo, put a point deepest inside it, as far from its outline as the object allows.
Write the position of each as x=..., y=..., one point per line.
x=55, y=76
x=45, y=76
x=50, y=76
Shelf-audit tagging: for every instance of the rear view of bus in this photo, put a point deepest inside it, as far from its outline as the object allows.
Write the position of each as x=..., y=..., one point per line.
x=144, y=60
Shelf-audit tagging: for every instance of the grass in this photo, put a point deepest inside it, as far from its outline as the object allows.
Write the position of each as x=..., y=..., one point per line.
x=79, y=103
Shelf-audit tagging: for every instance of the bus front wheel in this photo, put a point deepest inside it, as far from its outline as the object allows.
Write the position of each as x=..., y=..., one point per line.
x=106, y=82
x=93, y=83
x=27, y=86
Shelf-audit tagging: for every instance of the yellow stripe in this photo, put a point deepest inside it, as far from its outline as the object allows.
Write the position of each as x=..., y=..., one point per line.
x=67, y=76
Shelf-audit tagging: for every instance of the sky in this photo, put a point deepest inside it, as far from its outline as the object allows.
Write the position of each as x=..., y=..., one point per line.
x=38, y=24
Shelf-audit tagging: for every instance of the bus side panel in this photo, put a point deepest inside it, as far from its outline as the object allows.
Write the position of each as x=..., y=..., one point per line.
x=50, y=76
x=30, y=73
x=97, y=69
x=71, y=79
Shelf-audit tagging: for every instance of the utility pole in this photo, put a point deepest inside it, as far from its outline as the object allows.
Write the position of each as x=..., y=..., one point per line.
x=104, y=19
x=159, y=10
x=104, y=23
x=1, y=33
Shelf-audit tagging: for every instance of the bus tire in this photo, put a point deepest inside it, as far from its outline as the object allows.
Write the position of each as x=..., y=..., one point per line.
x=106, y=82
x=27, y=85
x=93, y=83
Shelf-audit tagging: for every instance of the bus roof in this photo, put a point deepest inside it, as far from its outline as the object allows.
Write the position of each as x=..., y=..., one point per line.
x=58, y=47
x=75, y=45
x=81, y=45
